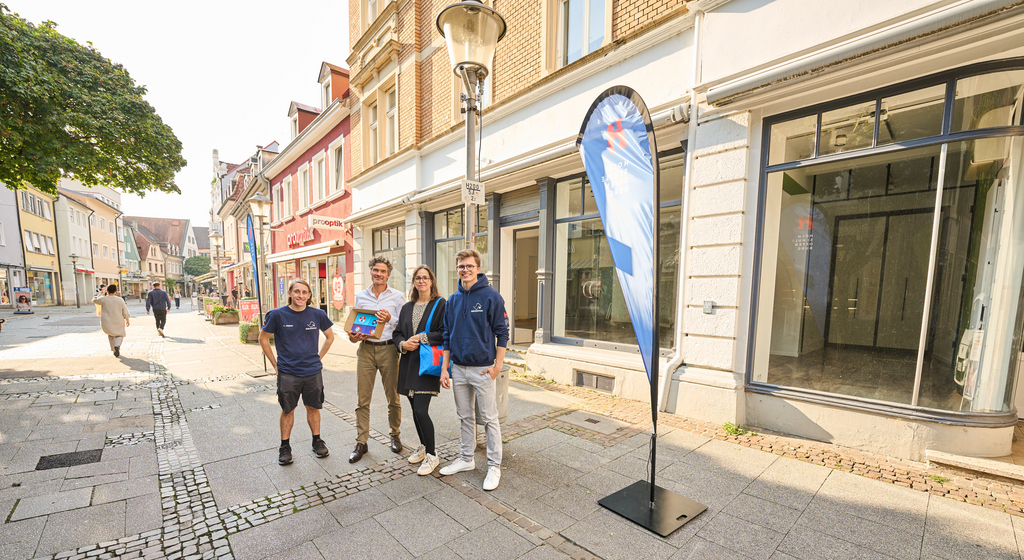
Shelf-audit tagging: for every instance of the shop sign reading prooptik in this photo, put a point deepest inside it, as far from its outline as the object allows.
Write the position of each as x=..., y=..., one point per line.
x=328, y=222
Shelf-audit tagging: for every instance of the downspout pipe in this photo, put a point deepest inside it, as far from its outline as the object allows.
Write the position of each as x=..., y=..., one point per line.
x=691, y=144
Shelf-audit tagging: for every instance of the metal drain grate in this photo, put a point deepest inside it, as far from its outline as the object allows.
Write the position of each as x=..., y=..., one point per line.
x=69, y=459
x=592, y=421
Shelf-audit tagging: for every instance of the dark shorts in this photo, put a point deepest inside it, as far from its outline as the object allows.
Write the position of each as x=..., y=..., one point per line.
x=289, y=387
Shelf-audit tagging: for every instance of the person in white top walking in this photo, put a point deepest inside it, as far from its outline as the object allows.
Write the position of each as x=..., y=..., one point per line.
x=114, y=317
x=378, y=355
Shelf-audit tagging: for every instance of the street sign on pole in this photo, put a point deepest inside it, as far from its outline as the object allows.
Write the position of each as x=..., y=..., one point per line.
x=472, y=192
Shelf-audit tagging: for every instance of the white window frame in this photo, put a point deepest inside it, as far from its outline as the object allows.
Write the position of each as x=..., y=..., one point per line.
x=294, y=127
x=374, y=136
x=319, y=179
x=3, y=236
x=103, y=224
x=326, y=92
x=275, y=203
x=37, y=243
x=110, y=227
x=287, y=192
x=303, y=186
x=106, y=252
x=372, y=11
x=28, y=240
x=336, y=167
x=95, y=250
x=46, y=209
x=50, y=249
x=71, y=215
x=391, y=121
x=556, y=14
x=92, y=220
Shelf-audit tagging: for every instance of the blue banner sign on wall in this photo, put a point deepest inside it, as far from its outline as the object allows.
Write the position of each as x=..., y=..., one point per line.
x=617, y=145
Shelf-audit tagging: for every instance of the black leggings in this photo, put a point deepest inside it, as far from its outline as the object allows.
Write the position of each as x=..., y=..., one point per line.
x=421, y=418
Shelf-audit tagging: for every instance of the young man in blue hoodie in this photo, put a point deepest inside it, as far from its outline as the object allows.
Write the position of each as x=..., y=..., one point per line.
x=475, y=337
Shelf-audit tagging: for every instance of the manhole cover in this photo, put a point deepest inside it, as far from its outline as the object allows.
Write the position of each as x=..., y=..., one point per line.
x=69, y=459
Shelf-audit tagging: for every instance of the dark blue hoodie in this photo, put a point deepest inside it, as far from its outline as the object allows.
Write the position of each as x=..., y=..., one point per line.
x=472, y=321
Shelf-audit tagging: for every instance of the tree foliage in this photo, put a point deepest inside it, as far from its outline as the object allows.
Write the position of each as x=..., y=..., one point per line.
x=197, y=265
x=66, y=111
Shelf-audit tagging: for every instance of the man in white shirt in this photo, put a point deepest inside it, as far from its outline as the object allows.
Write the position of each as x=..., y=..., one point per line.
x=378, y=355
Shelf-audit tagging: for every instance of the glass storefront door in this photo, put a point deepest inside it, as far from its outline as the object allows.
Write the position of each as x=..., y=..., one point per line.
x=896, y=276
x=42, y=286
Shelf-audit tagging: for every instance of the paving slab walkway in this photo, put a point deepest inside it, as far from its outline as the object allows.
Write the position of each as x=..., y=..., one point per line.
x=185, y=432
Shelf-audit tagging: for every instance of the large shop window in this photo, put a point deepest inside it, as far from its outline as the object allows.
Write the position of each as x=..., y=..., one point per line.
x=449, y=239
x=589, y=303
x=390, y=242
x=896, y=276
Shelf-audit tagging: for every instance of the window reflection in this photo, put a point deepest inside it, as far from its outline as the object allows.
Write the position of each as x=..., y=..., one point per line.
x=793, y=140
x=912, y=115
x=848, y=128
x=988, y=100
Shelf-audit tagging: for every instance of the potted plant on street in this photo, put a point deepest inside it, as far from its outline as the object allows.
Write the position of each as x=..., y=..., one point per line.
x=224, y=315
x=249, y=331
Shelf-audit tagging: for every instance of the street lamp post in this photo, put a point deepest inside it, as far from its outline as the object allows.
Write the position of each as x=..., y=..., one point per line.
x=471, y=31
x=259, y=205
x=74, y=275
x=217, y=237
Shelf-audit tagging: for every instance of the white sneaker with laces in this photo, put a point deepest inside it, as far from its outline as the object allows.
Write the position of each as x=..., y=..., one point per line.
x=458, y=466
x=430, y=463
x=418, y=455
x=493, y=478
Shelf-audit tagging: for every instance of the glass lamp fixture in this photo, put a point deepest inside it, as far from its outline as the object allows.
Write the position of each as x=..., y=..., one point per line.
x=471, y=30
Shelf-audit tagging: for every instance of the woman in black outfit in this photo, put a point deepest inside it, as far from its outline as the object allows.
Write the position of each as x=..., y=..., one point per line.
x=411, y=332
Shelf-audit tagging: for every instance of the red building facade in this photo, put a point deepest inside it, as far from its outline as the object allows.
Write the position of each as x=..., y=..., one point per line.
x=310, y=238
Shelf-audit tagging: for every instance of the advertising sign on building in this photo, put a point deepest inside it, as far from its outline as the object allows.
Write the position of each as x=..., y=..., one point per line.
x=248, y=308
x=338, y=291
x=327, y=222
x=22, y=299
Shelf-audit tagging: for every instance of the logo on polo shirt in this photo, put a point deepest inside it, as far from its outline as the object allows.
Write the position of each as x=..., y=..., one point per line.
x=311, y=326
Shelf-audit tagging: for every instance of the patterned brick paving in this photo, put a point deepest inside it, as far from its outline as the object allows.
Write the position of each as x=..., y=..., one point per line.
x=999, y=495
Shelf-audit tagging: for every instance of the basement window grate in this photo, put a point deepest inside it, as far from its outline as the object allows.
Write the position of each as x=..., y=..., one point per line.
x=594, y=381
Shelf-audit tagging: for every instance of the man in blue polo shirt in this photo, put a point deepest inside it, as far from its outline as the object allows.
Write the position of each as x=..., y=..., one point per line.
x=296, y=328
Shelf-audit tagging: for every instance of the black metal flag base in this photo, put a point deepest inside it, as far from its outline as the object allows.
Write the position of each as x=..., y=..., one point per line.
x=670, y=512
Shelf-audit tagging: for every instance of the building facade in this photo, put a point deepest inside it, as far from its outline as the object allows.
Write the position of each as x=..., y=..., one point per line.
x=74, y=238
x=310, y=238
x=12, y=255
x=837, y=258
x=39, y=233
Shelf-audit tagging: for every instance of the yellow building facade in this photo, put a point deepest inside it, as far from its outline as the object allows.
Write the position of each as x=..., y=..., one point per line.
x=39, y=233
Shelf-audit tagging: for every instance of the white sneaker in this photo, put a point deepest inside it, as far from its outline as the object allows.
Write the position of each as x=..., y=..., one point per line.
x=430, y=463
x=418, y=455
x=493, y=478
x=458, y=466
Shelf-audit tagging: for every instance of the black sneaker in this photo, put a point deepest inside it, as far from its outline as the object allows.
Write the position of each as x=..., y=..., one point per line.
x=117, y=351
x=285, y=455
x=320, y=448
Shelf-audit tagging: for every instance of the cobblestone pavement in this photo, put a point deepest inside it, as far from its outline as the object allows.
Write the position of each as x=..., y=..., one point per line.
x=177, y=442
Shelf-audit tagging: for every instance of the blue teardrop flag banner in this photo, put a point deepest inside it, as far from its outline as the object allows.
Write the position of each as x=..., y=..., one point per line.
x=617, y=145
x=252, y=258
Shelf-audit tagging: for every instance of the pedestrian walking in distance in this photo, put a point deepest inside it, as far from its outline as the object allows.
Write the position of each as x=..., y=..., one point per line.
x=177, y=298
x=114, y=317
x=378, y=355
x=299, y=363
x=475, y=337
x=160, y=302
x=421, y=322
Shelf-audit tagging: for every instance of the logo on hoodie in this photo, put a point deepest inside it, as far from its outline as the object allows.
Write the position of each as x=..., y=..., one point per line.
x=477, y=309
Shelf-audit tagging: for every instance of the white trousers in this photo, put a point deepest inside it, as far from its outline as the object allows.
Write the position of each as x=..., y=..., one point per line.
x=471, y=386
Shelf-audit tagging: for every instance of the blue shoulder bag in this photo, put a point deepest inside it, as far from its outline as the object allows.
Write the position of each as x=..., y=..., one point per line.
x=431, y=356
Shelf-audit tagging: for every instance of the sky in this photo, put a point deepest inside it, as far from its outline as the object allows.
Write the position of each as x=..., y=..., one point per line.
x=220, y=73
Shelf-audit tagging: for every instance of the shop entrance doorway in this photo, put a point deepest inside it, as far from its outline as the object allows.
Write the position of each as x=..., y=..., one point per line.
x=524, y=284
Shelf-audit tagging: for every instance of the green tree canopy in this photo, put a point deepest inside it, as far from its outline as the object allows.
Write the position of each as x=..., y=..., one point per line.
x=66, y=111
x=197, y=265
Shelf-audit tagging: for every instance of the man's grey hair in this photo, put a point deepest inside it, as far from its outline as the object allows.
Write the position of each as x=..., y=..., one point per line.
x=381, y=259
